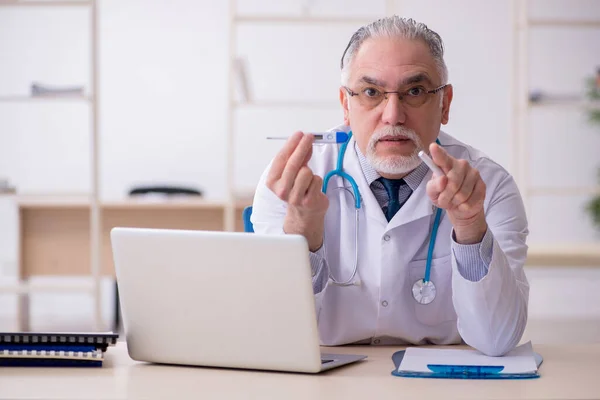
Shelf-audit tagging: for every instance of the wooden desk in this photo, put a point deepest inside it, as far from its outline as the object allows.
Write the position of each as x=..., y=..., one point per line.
x=568, y=372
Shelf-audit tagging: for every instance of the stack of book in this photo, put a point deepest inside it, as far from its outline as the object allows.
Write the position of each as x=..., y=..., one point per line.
x=55, y=349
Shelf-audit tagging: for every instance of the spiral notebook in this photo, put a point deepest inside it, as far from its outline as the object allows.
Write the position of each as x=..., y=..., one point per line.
x=55, y=349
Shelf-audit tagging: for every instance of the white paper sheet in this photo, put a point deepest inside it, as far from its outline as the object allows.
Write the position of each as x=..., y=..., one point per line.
x=518, y=361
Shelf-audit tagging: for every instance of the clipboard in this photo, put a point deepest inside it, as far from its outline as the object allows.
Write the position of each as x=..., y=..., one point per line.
x=462, y=371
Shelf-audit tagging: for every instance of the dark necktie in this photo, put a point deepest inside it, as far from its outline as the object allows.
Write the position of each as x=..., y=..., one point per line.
x=392, y=187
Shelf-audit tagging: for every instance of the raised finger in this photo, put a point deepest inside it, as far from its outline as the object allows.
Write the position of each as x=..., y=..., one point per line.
x=467, y=187
x=456, y=177
x=436, y=186
x=441, y=158
x=296, y=160
x=475, y=201
x=314, y=191
x=300, y=187
x=283, y=156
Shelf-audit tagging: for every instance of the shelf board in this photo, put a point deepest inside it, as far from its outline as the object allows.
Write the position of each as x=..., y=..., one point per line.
x=37, y=99
x=286, y=104
x=564, y=23
x=584, y=255
x=53, y=201
x=145, y=203
x=162, y=203
x=38, y=287
x=301, y=19
x=49, y=3
x=565, y=103
x=563, y=191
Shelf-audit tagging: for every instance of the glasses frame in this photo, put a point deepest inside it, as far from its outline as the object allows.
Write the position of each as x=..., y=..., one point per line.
x=352, y=93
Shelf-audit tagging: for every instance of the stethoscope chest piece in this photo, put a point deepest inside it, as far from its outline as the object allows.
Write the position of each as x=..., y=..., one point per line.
x=424, y=292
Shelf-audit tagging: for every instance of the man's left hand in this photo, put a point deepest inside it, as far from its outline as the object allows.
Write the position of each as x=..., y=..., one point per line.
x=461, y=192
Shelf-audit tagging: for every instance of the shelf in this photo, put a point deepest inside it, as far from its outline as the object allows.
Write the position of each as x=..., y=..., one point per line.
x=147, y=203
x=169, y=203
x=51, y=201
x=564, y=23
x=585, y=255
x=300, y=19
x=287, y=104
x=565, y=103
x=46, y=98
x=163, y=203
x=29, y=287
x=49, y=3
x=563, y=191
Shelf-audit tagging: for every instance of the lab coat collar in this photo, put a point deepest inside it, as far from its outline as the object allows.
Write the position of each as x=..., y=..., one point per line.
x=417, y=206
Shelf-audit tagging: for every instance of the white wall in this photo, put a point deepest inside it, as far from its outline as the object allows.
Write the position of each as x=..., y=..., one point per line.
x=163, y=94
x=477, y=35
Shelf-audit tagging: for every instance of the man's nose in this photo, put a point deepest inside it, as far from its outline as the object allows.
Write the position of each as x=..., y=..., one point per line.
x=394, y=112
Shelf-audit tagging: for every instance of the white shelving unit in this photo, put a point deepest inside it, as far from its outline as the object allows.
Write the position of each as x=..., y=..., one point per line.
x=586, y=254
x=23, y=287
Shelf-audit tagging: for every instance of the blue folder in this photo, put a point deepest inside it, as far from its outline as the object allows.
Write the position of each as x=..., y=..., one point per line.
x=461, y=371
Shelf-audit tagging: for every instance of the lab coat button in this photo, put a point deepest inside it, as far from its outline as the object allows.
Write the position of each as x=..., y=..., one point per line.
x=384, y=303
x=386, y=238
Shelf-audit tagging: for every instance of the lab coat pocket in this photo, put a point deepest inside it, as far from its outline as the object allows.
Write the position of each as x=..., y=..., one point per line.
x=441, y=309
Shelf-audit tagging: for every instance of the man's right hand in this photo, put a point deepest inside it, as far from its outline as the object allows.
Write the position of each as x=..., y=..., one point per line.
x=294, y=182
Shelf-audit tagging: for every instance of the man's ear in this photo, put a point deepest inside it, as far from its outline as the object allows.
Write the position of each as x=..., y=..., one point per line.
x=344, y=99
x=448, y=93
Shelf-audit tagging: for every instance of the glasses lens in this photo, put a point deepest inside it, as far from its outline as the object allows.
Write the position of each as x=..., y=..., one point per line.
x=415, y=101
x=370, y=97
x=415, y=96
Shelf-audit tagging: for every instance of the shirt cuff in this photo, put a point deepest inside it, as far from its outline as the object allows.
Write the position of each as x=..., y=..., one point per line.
x=473, y=260
x=319, y=270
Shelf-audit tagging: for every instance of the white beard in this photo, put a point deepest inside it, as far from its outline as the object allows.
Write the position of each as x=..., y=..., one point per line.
x=394, y=165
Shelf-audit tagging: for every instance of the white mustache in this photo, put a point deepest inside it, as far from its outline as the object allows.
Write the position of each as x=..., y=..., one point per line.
x=394, y=131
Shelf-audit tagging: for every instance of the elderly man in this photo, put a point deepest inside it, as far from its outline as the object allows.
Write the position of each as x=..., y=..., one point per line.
x=400, y=255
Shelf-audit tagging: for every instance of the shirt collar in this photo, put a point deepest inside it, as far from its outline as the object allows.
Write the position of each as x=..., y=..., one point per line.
x=413, y=179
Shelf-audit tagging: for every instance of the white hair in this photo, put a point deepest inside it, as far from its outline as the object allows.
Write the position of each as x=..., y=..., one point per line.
x=396, y=26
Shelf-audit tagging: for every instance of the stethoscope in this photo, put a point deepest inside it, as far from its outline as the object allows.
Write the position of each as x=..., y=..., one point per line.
x=423, y=290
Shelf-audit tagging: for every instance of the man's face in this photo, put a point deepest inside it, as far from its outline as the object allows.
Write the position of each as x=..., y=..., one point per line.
x=392, y=132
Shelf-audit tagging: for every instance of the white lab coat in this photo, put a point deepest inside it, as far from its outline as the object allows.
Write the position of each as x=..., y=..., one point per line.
x=489, y=315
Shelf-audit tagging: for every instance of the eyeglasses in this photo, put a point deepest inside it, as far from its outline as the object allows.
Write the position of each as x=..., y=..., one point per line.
x=372, y=96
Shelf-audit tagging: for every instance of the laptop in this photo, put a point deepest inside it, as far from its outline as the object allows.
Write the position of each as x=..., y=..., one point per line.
x=219, y=299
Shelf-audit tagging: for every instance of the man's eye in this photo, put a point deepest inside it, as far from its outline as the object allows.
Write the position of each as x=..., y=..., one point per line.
x=371, y=92
x=416, y=91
